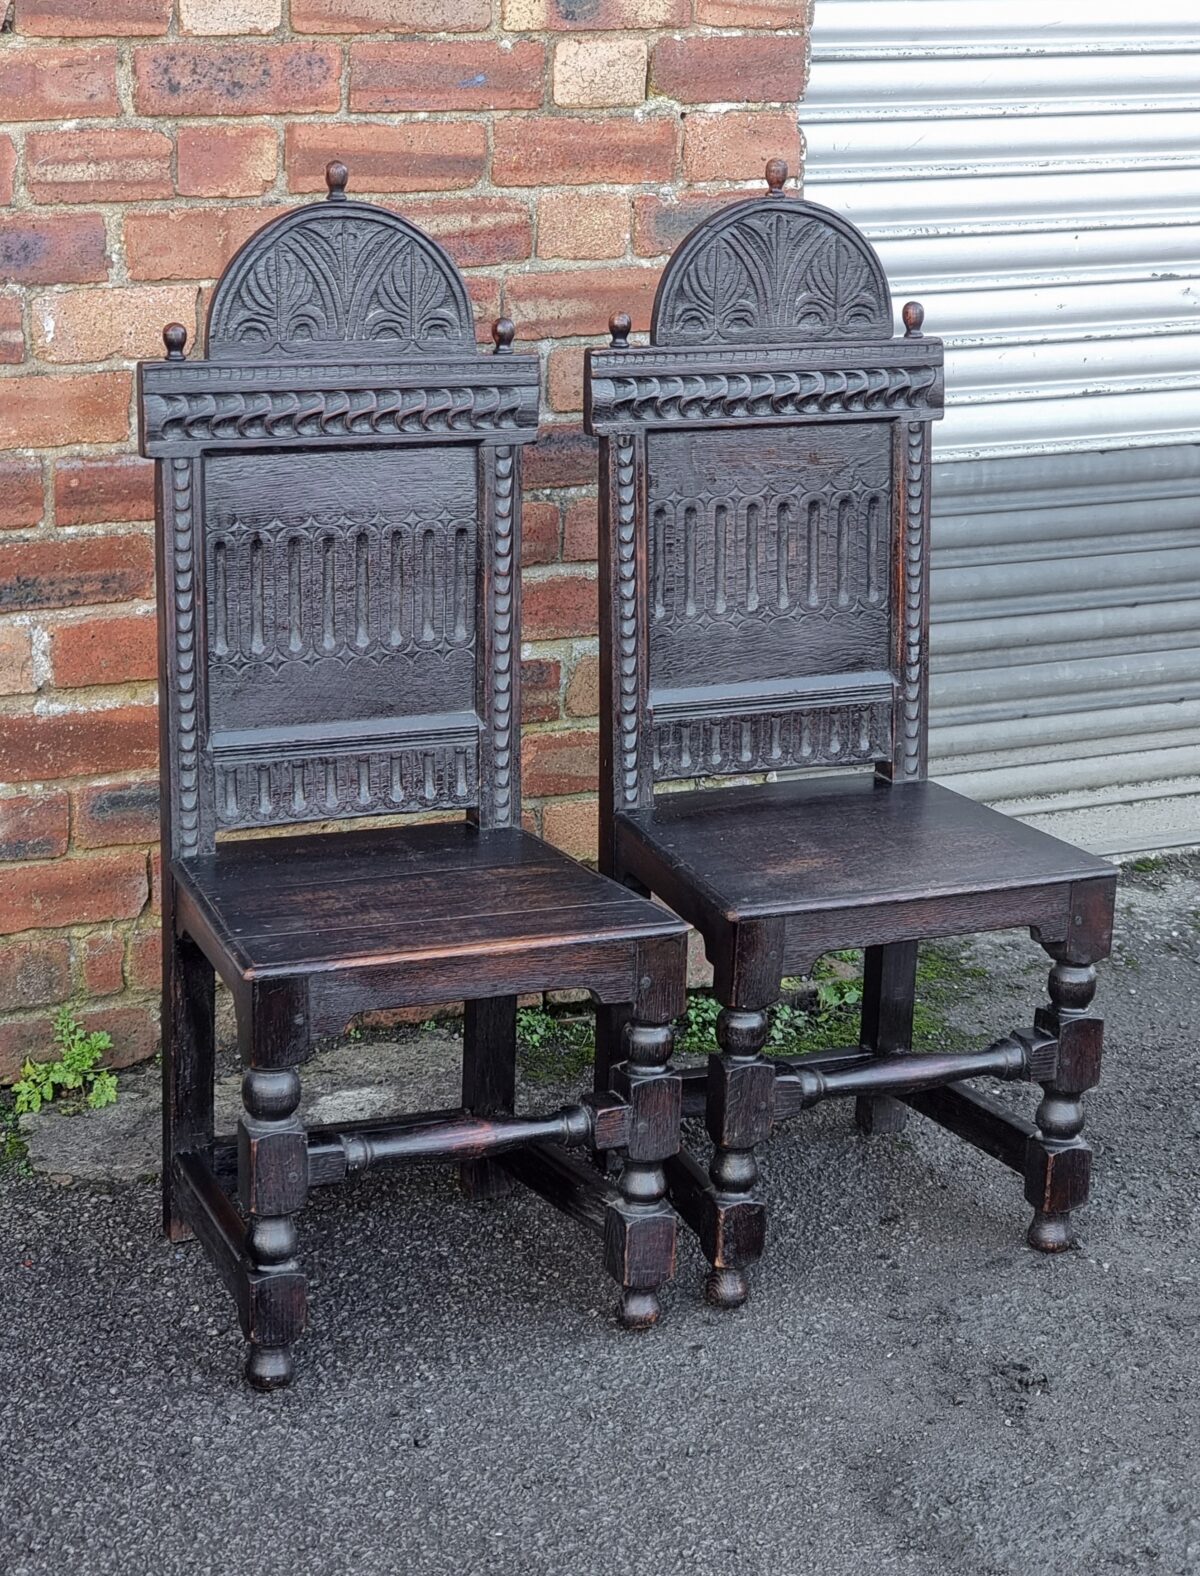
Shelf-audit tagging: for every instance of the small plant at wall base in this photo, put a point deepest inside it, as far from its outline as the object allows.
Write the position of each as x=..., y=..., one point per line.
x=77, y=1073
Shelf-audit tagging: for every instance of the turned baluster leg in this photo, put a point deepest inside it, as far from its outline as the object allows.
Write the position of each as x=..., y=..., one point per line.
x=272, y=1181
x=488, y=1082
x=889, y=985
x=187, y=1064
x=639, y=1232
x=1058, y=1162
x=741, y=1090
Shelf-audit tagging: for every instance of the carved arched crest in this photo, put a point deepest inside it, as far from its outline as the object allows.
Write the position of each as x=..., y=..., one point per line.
x=336, y=275
x=772, y=270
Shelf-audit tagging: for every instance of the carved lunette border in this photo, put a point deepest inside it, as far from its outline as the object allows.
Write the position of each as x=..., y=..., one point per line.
x=696, y=388
x=190, y=406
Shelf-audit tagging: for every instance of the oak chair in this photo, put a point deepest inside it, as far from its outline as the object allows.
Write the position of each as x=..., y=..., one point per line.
x=339, y=540
x=764, y=551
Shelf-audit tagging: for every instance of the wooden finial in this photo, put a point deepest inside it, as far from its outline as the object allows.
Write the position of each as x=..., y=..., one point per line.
x=619, y=326
x=503, y=330
x=777, y=174
x=336, y=176
x=914, y=317
x=174, y=338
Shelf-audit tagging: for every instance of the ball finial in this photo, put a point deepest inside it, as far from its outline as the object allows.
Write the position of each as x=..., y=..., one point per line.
x=503, y=331
x=619, y=326
x=777, y=174
x=174, y=338
x=336, y=176
x=914, y=317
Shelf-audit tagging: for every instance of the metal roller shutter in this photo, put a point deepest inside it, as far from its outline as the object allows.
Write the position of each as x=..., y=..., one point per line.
x=1030, y=169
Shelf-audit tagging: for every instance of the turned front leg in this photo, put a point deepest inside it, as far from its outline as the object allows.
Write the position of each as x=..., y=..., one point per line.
x=272, y=1184
x=1058, y=1163
x=639, y=1231
x=741, y=1090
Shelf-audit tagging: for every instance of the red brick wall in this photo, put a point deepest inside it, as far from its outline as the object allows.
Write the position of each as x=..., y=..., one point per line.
x=558, y=148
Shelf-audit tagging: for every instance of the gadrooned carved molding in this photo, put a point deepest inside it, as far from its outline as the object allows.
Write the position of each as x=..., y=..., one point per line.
x=627, y=642
x=772, y=741
x=181, y=527
x=332, y=275
x=436, y=776
x=772, y=269
x=502, y=594
x=913, y=686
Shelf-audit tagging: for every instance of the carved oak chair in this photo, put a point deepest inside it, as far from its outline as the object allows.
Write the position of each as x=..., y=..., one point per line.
x=764, y=588
x=338, y=538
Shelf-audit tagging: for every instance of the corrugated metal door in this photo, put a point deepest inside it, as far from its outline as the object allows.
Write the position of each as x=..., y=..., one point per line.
x=1031, y=170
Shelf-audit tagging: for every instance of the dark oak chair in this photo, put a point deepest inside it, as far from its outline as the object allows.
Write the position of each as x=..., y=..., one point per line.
x=764, y=591
x=338, y=539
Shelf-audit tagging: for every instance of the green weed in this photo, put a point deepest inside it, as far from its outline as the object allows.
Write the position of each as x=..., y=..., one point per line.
x=77, y=1073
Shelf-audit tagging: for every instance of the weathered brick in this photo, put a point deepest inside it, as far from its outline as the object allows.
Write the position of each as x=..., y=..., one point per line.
x=108, y=165
x=765, y=69
x=21, y=499
x=582, y=225
x=107, y=490
x=226, y=161
x=391, y=16
x=563, y=456
x=8, y=169
x=476, y=230
x=754, y=13
x=426, y=155
x=579, y=530
x=35, y=972
x=559, y=607
x=541, y=680
x=73, y=891
x=57, y=84
x=106, y=814
x=574, y=826
x=75, y=571
x=441, y=76
x=49, y=412
x=104, y=651
x=12, y=330
x=189, y=243
x=608, y=16
x=583, y=688
x=93, y=18
x=230, y=16
x=552, y=150
x=737, y=144
x=52, y=249
x=144, y=960
x=96, y=325
x=559, y=763
x=237, y=79
x=16, y=659
x=34, y=825
x=539, y=533
x=78, y=744
x=564, y=378
x=661, y=223
x=101, y=962
x=593, y=73
x=579, y=300
x=134, y=1031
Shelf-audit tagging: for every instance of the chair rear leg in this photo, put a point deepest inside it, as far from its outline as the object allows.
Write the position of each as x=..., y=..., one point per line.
x=889, y=986
x=489, y=1081
x=738, y=1115
x=187, y=1062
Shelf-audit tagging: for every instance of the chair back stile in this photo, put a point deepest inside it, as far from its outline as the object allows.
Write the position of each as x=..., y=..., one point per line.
x=338, y=536
x=764, y=510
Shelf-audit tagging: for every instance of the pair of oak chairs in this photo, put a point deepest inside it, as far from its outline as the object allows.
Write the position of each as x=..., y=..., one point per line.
x=339, y=537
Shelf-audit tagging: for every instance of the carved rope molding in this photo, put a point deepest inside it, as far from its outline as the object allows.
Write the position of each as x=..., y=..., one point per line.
x=502, y=638
x=628, y=720
x=914, y=597
x=695, y=397
x=187, y=739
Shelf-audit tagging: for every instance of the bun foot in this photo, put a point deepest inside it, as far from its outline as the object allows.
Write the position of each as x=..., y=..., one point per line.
x=270, y=1367
x=726, y=1288
x=640, y=1310
x=1050, y=1233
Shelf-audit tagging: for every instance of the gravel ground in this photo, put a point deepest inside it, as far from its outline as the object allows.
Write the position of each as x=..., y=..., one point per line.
x=910, y=1389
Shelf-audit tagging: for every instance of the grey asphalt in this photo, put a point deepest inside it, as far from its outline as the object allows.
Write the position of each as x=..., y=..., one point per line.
x=911, y=1390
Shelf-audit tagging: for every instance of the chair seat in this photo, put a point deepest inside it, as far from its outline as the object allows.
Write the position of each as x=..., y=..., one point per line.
x=408, y=895
x=859, y=860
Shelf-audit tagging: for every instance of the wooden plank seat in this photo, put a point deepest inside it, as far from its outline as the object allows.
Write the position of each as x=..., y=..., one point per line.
x=764, y=560
x=339, y=512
